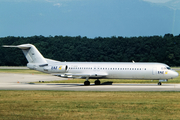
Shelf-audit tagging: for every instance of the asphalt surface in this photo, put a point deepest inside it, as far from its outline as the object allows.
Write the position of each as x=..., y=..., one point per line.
x=14, y=67
x=10, y=81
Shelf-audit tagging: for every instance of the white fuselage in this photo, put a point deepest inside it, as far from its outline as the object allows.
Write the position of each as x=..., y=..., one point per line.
x=111, y=70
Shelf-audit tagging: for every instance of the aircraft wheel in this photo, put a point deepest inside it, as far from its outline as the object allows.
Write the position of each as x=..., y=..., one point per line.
x=159, y=83
x=97, y=82
x=86, y=83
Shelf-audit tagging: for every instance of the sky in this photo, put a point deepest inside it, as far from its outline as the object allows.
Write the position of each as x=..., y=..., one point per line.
x=90, y=18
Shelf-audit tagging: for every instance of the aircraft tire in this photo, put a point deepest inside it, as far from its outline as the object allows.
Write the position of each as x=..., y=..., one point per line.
x=97, y=82
x=86, y=83
x=159, y=83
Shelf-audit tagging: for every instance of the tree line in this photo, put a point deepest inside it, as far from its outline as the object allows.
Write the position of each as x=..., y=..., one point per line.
x=164, y=49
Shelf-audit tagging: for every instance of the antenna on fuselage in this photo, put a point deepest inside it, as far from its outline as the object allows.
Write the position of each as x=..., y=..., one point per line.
x=133, y=61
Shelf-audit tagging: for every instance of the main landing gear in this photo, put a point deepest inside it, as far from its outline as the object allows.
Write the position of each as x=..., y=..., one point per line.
x=86, y=83
x=96, y=82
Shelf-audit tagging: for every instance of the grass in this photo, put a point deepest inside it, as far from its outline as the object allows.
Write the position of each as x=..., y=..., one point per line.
x=89, y=105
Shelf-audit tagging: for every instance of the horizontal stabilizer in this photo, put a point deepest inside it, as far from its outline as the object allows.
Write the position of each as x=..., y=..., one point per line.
x=24, y=46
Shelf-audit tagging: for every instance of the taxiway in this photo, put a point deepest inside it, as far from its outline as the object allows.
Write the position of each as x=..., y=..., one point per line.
x=9, y=81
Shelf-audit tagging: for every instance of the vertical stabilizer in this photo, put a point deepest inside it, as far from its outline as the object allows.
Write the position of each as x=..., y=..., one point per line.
x=31, y=53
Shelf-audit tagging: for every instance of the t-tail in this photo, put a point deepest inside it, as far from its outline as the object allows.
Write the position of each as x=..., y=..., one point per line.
x=32, y=55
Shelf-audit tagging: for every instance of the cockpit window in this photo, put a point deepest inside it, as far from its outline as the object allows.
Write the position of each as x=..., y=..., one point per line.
x=165, y=68
x=168, y=68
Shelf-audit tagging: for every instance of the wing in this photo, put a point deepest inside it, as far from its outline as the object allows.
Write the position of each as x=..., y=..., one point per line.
x=82, y=75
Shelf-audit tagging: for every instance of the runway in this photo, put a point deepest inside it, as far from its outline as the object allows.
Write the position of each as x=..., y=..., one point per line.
x=9, y=81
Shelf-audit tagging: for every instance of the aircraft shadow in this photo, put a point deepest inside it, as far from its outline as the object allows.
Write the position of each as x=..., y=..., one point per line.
x=75, y=84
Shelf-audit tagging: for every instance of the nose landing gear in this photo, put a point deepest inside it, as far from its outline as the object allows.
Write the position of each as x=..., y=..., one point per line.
x=159, y=83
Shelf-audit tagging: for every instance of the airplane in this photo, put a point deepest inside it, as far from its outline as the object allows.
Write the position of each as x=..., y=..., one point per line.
x=96, y=70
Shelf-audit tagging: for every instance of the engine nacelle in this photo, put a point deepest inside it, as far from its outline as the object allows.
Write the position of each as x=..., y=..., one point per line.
x=56, y=68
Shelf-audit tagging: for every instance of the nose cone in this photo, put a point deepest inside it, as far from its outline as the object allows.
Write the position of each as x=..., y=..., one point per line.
x=175, y=74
